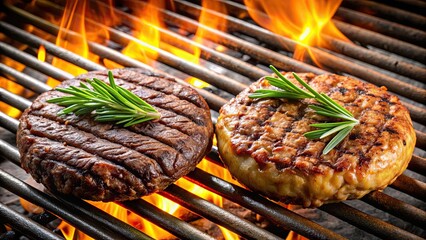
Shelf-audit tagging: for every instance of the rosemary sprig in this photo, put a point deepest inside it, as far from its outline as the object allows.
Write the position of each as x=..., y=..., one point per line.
x=108, y=103
x=325, y=107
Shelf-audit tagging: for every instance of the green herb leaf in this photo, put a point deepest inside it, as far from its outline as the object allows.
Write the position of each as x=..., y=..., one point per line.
x=326, y=107
x=337, y=139
x=108, y=103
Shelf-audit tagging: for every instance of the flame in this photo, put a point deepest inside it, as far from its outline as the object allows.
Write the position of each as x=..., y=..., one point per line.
x=73, y=19
x=8, y=84
x=12, y=87
x=146, y=32
x=209, y=20
x=301, y=20
x=41, y=54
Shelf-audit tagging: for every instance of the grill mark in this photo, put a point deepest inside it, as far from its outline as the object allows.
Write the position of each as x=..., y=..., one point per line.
x=183, y=146
x=172, y=122
x=152, y=167
x=175, y=121
x=355, y=90
x=379, y=129
x=157, y=98
x=109, y=133
x=170, y=85
x=41, y=142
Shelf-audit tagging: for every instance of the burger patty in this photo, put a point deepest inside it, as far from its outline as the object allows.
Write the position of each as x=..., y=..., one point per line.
x=102, y=161
x=261, y=141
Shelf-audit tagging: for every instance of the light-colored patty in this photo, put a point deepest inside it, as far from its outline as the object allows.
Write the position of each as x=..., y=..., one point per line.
x=261, y=142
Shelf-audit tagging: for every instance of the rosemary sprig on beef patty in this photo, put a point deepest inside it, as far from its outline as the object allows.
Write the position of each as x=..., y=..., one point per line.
x=325, y=107
x=108, y=103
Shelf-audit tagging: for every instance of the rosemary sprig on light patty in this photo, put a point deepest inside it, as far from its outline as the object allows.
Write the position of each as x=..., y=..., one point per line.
x=108, y=103
x=325, y=107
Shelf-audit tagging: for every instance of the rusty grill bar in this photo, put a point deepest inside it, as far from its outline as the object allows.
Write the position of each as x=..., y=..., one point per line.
x=383, y=56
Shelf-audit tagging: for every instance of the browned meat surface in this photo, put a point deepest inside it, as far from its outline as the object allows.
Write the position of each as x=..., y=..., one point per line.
x=262, y=142
x=103, y=161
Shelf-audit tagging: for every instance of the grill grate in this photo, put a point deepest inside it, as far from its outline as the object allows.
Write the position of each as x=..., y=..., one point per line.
x=386, y=53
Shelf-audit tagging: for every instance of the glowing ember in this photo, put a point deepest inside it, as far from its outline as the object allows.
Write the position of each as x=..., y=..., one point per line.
x=301, y=20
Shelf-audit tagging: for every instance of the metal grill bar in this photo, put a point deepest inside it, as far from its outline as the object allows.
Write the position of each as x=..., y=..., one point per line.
x=396, y=207
x=26, y=225
x=112, y=223
x=367, y=222
x=8, y=122
x=268, y=209
x=164, y=220
x=14, y=100
x=24, y=80
x=391, y=13
x=418, y=164
x=51, y=48
x=216, y=214
x=376, y=24
x=410, y=186
x=368, y=37
x=84, y=223
x=33, y=62
x=421, y=139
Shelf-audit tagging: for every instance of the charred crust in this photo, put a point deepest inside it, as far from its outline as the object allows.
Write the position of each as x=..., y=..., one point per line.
x=106, y=162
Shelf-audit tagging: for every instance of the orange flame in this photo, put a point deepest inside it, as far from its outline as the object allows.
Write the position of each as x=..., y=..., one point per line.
x=73, y=19
x=146, y=32
x=41, y=54
x=11, y=87
x=301, y=20
x=8, y=84
x=209, y=20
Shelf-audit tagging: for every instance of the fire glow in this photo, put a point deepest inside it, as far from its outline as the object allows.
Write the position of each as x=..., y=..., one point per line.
x=304, y=21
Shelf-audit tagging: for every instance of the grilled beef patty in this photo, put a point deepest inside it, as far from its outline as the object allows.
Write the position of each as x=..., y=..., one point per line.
x=261, y=142
x=102, y=161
